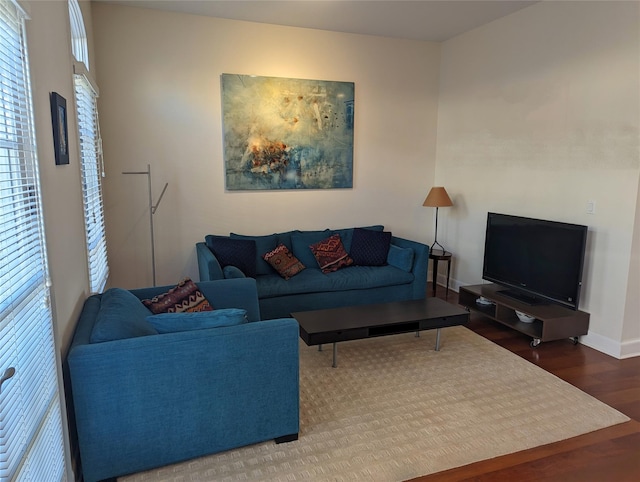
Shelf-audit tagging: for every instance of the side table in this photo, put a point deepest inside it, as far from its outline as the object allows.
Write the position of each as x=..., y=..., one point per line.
x=439, y=255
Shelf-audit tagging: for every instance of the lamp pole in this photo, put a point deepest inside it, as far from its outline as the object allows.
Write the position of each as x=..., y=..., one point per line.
x=152, y=211
x=435, y=242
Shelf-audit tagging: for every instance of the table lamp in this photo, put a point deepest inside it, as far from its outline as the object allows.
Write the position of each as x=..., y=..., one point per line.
x=437, y=198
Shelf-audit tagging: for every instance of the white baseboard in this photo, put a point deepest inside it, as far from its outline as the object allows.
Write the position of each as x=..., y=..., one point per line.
x=630, y=348
x=441, y=280
x=611, y=347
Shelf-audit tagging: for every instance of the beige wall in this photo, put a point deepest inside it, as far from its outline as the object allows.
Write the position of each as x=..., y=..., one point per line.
x=538, y=114
x=160, y=103
x=631, y=327
x=51, y=64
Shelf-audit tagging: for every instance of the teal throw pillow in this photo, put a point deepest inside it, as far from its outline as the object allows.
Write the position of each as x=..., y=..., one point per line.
x=285, y=238
x=121, y=316
x=231, y=272
x=174, y=322
x=400, y=257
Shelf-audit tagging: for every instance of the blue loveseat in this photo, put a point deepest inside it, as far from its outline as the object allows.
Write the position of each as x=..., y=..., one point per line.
x=147, y=401
x=402, y=276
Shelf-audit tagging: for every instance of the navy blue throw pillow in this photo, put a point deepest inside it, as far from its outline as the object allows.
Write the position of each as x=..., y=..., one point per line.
x=370, y=248
x=240, y=253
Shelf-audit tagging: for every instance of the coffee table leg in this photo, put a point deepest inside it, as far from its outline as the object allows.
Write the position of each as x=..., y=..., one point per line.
x=438, y=339
x=335, y=355
x=320, y=347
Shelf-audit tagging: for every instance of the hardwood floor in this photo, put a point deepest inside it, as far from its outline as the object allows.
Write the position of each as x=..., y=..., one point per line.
x=611, y=454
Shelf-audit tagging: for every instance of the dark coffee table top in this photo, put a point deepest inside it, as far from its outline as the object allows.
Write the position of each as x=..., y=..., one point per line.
x=429, y=313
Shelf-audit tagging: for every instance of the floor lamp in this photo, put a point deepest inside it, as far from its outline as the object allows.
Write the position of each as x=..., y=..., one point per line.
x=437, y=198
x=152, y=211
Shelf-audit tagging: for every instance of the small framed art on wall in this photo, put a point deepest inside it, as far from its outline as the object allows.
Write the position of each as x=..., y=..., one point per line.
x=59, y=123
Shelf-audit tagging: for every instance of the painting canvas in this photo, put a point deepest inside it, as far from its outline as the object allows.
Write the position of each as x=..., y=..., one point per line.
x=284, y=133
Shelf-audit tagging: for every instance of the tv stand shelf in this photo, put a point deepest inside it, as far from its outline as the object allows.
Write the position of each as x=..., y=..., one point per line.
x=553, y=322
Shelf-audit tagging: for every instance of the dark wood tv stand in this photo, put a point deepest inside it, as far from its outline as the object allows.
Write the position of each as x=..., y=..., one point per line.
x=553, y=322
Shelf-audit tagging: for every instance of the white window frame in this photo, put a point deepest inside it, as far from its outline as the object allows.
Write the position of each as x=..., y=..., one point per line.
x=78, y=34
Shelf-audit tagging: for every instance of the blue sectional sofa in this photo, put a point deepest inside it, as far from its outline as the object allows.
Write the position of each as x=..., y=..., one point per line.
x=148, y=400
x=401, y=276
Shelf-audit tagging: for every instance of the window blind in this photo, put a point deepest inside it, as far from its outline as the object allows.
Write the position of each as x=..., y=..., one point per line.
x=31, y=436
x=90, y=160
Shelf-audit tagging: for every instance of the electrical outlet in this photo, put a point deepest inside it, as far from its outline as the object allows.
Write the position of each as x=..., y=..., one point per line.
x=591, y=207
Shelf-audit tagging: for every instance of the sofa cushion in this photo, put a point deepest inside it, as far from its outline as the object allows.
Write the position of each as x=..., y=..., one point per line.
x=174, y=322
x=300, y=242
x=370, y=248
x=285, y=238
x=184, y=297
x=330, y=254
x=264, y=244
x=240, y=253
x=400, y=257
x=121, y=315
x=312, y=280
x=284, y=262
x=231, y=272
x=345, y=236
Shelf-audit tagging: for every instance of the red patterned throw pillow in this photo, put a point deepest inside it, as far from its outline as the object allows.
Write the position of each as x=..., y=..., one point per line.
x=183, y=298
x=283, y=261
x=330, y=254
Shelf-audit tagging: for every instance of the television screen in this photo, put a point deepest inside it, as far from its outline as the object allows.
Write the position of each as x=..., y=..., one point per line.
x=539, y=261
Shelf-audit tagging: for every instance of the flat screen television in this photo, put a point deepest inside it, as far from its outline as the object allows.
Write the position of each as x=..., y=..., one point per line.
x=537, y=261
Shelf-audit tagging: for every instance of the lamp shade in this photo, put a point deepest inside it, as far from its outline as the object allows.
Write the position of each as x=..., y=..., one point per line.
x=437, y=198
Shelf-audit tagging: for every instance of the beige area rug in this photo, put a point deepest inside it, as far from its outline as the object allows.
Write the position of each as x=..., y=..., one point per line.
x=395, y=409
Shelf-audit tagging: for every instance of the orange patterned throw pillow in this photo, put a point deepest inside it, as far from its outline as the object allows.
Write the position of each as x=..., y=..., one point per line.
x=283, y=261
x=183, y=298
x=330, y=254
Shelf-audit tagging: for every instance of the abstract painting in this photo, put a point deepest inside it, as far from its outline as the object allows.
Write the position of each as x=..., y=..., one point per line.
x=284, y=133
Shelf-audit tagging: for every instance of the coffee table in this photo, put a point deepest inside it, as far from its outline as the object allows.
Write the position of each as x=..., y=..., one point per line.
x=365, y=321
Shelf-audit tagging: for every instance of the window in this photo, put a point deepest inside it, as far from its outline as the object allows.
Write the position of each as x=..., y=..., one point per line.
x=90, y=154
x=90, y=160
x=31, y=433
x=78, y=34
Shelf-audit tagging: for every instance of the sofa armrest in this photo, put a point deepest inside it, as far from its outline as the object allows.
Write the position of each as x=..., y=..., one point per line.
x=420, y=264
x=155, y=400
x=225, y=293
x=208, y=265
